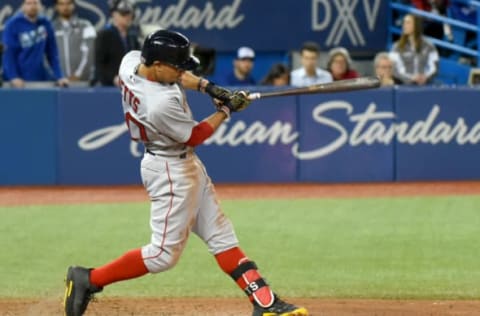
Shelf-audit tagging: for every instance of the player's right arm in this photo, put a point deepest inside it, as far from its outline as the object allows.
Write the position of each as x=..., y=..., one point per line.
x=170, y=119
x=237, y=102
x=205, y=128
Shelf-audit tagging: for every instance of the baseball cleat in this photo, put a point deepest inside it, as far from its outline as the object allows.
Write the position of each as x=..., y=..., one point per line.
x=279, y=308
x=78, y=291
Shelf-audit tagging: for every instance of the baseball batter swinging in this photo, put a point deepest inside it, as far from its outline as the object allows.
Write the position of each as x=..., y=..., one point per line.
x=181, y=193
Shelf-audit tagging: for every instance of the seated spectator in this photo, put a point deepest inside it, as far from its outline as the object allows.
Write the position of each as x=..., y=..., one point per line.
x=414, y=57
x=383, y=67
x=114, y=41
x=278, y=75
x=241, y=74
x=309, y=73
x=75, y=38
x=29, y=41
x=340, y=64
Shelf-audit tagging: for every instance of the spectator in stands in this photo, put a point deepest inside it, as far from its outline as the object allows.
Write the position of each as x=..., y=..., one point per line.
x=75, y=39
x=309, y=73
x=383, y=67
x=433, y=28
x=278, y=75
x=29, y=40
x=114, y=41
x=414, y=57
x=340, y=64
x=241, y=74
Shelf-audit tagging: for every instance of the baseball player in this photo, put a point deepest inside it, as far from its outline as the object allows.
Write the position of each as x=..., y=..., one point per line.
x=182, y=195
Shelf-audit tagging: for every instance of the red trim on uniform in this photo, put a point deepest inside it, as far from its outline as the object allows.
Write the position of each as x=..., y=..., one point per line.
x=128, y=266
x=200, y=133
x=166, y=216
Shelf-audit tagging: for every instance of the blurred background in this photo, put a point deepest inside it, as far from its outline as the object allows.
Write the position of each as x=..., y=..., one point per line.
x=65, y=126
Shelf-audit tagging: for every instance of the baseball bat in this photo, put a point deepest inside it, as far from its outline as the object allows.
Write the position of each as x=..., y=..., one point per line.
x=331, y=87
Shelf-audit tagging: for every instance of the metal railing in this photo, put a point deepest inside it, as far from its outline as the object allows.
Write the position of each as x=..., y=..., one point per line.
x=444, y=20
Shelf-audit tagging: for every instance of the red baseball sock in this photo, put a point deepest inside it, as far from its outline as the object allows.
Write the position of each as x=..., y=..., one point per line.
x=128, y=266
x=229, y=260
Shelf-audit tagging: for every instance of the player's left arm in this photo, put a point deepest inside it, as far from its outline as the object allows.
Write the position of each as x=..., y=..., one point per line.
x=194, y=82
x=225, y=101
x=190, y=80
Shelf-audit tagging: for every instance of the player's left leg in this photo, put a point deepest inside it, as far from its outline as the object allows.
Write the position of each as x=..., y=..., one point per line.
x=216, y=230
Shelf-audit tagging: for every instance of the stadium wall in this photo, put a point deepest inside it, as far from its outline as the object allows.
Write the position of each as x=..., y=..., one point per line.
x=77, y=136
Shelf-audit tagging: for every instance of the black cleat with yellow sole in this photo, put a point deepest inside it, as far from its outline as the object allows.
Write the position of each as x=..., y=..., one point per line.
x=79, y=291
x=279, y=308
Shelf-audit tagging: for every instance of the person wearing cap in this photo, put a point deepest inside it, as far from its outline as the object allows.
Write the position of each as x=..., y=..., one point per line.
x=340, y=64
x=114, y=41
x=309, y=73
x=242, y=69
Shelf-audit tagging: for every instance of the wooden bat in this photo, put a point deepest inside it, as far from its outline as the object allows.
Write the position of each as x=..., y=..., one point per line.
x=331, y=87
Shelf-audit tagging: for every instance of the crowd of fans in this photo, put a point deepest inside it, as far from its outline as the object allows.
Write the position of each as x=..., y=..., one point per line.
x=76, y=53
x=68, y=49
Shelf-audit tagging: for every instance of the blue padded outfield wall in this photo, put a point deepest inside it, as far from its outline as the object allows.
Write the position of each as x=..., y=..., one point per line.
x=77, y=136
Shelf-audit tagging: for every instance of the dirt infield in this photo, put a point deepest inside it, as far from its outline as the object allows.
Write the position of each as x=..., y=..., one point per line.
x=10, y=196
x=64, y=195
x=239, y=307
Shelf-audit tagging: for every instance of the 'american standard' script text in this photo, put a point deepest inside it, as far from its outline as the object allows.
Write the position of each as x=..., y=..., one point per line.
x=368, y=128
x=181, y=14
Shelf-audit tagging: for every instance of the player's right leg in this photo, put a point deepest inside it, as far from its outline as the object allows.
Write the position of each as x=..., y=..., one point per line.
x=216, y=230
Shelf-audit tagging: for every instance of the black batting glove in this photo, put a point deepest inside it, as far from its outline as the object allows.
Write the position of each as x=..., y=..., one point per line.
x=218, y=92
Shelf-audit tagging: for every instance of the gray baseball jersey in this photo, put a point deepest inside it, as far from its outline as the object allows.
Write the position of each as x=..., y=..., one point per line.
x=182, y=195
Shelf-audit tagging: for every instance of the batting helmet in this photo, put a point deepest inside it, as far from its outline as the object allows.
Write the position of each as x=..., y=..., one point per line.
x=168, y=47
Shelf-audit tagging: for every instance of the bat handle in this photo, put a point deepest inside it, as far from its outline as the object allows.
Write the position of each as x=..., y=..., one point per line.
x=254, y=96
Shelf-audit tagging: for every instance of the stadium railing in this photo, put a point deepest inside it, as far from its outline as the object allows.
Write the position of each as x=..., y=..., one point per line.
x=459, y=28
x=404, y=9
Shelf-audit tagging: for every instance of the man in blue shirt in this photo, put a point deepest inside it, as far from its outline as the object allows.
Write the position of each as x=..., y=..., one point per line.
x=242, y=68
x=29, y=38
x=309, y=73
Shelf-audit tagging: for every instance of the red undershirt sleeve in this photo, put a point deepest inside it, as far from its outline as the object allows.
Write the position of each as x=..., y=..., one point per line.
x=200, y=133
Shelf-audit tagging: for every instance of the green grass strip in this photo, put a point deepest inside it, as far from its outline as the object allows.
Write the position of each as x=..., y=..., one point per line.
x=401, y=248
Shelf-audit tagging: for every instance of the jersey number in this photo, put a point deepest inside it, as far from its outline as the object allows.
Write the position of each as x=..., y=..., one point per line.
x=137, y=130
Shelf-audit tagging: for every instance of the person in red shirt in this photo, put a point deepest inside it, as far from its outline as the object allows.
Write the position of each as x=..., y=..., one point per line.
x=428, y=5
x=433, y=28
x=340, y=64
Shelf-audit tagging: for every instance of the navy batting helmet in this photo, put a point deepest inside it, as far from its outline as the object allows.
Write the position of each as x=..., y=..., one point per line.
x=168, y=47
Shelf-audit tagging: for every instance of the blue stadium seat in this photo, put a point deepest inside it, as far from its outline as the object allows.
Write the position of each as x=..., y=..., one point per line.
x=451, y=72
